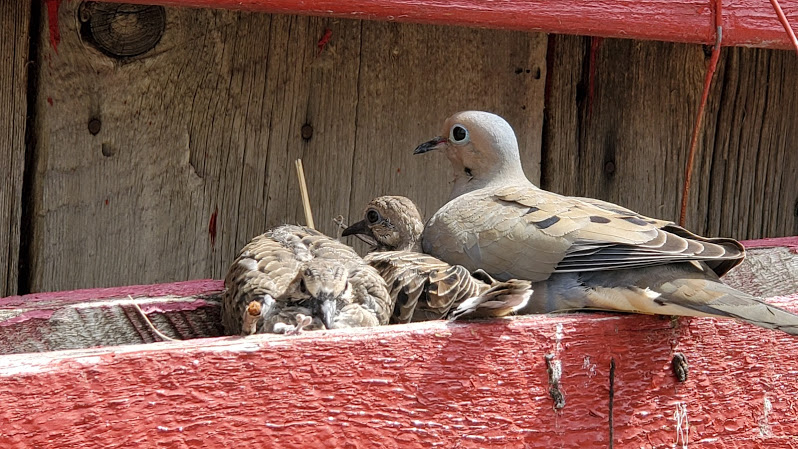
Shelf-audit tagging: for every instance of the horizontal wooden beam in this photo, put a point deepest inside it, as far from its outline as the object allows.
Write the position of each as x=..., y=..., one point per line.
x=540, y=381
x=745, y=22
x=107, y=316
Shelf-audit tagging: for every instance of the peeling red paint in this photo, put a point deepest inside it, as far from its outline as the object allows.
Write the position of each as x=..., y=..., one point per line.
x=325, y=39
x=212, y=226
x=25, y=316
x=789, y=242
x=434, y=384
x=746, y=22
x=52, y=20
x=50, y=100
x=185, y=288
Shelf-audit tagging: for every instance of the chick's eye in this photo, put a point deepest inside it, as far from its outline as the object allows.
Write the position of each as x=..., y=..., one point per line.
x=372, y=216
x=459, y=135
x=302, y=287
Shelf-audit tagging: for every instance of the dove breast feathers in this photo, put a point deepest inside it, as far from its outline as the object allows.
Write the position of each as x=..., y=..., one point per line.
x=520, y=231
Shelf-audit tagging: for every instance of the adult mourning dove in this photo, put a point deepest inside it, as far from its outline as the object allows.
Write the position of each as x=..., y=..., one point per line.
x=578, y=252
x=293, y=277
x=423, y=287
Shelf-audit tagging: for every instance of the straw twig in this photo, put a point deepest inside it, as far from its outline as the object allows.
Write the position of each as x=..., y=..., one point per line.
x=160, y=334
x=303, y=189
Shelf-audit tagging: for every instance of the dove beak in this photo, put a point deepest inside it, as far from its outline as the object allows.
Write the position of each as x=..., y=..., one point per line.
x=434, y=144
x=359, y=228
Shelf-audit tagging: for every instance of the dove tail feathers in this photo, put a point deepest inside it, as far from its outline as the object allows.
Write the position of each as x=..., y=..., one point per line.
x=755, y=311
x=686, y=289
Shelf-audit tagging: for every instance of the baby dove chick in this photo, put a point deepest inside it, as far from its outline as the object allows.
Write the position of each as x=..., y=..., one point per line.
x=578, y=252
x=423, y=287
x=293, y=278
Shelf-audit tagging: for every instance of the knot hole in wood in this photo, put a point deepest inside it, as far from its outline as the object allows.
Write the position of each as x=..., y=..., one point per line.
x=121, y=30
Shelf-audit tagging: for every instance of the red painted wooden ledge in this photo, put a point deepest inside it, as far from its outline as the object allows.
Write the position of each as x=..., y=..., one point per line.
x=745, y=22
x=434, y=384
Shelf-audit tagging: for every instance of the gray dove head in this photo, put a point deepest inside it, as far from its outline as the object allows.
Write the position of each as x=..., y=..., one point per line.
x=482, y=149
x=327, y=284
x=393, y=222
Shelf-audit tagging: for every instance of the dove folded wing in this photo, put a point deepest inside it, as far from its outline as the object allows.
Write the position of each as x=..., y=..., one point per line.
x=527, y=233
x=425, y=288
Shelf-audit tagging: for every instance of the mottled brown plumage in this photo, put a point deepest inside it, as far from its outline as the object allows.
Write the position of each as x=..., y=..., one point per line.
x=293, y=270
x=578, y=252
x=422, y=287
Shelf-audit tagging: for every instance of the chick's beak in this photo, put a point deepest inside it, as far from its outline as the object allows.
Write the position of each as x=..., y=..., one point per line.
x=359, y=228
x=329, y=308
x=434, y=144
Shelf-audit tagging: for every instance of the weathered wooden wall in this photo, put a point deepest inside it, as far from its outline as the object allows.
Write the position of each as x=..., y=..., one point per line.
x=620, y=115
x=14, y=36
x=206, y=126
x=158, y=167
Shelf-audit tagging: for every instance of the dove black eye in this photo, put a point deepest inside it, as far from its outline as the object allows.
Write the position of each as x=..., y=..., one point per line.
x=372, y=216
x=459, y=134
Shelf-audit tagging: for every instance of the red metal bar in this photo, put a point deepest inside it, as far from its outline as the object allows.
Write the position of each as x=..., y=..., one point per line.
x=745, y=22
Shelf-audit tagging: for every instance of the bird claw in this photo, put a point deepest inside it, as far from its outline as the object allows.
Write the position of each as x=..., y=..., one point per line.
x=339, y=221
x=289, y=329
x=301, y=322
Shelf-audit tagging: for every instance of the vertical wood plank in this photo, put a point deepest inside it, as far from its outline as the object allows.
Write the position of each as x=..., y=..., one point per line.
x=413, y=77
x=634, y=104
x=619, y=123
x=752, y=156
x=14, y=38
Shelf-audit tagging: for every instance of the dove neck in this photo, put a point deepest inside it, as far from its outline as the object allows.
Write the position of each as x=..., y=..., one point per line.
x=510, y=174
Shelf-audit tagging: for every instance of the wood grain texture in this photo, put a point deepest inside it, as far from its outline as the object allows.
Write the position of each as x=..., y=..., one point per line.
x=198, y=138
x=14, y=38
x=634, y=104
x=619, y=122
x=107, y=317
x=436, y=383
x=766, y=272
x=745, y=22
x=196, y=151
x=749, y=167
